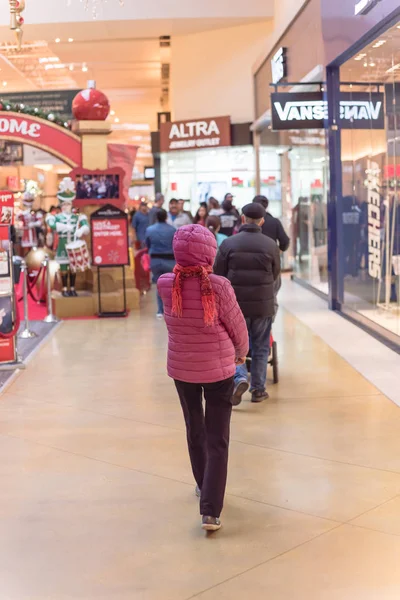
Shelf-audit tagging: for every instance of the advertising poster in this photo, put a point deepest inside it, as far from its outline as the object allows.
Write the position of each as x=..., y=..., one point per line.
x=6, y=209
x=109, y=231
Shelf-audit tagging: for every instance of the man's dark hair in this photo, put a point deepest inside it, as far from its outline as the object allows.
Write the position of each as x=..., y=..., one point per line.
x=161, y=215
x=263, y=200
x=227, y=205
x=173, y=201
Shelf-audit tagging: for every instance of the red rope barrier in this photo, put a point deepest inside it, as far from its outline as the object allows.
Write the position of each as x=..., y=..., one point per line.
x=17, y=323
x=31, y=285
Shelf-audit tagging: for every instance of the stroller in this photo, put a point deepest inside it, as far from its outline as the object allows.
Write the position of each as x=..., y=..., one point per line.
x=272, y=360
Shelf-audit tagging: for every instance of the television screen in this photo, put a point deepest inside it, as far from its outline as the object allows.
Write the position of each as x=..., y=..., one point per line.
x=149, y=173
x=97, y=187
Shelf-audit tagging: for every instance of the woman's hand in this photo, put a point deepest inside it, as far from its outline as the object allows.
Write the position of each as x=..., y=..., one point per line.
x=240, y=361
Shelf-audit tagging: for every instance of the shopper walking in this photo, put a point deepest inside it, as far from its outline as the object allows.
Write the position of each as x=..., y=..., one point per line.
x=229, y=217
x=201, y=215
x=251, y=261
x=213, y=223
x=207, y=336
x=158, y=203
x=214, y=209
x=176, y=217
x=159, y=239
x=272, y=227
x=140, y=223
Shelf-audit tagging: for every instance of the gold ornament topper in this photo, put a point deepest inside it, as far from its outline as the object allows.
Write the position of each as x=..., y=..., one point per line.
x=16, y=20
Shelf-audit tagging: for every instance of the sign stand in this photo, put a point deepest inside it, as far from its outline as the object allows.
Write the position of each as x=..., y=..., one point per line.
x=122, y=313
x=110, y=248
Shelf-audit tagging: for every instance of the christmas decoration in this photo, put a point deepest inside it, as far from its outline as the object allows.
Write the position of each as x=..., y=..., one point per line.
x=16, y=20
x=70, y=227
x=35, y=112
x=90, y=105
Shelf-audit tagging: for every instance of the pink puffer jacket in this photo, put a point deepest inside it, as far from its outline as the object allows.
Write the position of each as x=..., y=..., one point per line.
x=198, y=353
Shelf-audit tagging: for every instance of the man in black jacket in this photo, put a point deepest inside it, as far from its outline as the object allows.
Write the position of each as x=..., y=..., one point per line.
x=251, y=262
x=272, y=227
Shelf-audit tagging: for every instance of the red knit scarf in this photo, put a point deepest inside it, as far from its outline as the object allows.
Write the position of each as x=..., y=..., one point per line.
x=207, y=293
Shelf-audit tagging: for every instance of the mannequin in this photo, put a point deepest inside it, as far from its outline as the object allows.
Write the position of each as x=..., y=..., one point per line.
x=29, y=223
x=69, y=227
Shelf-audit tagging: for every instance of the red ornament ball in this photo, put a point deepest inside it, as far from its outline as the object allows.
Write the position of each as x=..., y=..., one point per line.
x=90, y=105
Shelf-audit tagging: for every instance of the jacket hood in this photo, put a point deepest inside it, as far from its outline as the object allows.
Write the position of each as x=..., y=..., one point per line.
x=194, y=245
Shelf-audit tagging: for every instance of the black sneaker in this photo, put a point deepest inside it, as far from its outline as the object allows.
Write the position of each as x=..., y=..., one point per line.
x=210, y=524
x=238, y=392
x=259, y=396
x=73, y=293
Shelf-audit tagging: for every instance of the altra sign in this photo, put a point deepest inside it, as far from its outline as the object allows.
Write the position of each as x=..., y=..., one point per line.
x=358, y=110
x=194, y=134
x=41, y=134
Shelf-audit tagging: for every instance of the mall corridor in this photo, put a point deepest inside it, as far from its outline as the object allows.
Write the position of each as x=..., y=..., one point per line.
x=97, y=494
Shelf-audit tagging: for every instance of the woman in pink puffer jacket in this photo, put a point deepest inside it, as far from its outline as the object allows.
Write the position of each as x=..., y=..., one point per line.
x=207, y=338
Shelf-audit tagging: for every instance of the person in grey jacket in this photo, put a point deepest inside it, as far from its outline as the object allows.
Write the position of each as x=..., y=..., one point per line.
x=176, y=217
x=158, y=203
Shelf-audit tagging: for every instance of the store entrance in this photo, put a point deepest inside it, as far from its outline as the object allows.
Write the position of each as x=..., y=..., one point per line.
x=294, y=177
x=370, y=258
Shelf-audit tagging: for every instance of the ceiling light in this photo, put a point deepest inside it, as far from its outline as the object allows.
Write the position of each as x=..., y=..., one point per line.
x=48, y=59
x=372, y=64
x=4, y=83
x=112, y=113
x=379, y=43
x=360, y=56
x=71, y=67
x=116, y=120
x=57, y=40
x=84, y=67
x=394, y=68
x=55, y=66
x=70, y=39
x=365, y=64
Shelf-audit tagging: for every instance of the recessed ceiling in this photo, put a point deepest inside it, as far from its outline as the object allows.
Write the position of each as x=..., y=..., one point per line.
x=122, y=56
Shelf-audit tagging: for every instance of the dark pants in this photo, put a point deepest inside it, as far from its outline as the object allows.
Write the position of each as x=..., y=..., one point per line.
x=259, y=329
x=160, y=266
x=208, y=438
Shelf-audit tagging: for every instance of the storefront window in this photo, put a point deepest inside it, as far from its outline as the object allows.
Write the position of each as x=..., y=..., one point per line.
x=298, y=196
x=370, y=259
x=199, y=174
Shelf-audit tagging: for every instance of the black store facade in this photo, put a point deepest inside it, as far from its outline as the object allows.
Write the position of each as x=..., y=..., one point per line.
x=335, y=108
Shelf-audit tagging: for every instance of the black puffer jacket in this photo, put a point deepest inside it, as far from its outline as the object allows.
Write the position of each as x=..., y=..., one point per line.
x=273, y=228
x=251, y=262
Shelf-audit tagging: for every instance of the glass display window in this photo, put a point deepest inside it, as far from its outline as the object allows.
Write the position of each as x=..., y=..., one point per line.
x=196, y=175
x=370, y=210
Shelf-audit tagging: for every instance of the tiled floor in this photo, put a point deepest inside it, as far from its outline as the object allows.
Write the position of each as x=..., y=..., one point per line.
x=97, y=499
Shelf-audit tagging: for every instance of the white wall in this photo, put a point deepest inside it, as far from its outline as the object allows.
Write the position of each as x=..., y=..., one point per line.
x=211, y=72
x=284, y=13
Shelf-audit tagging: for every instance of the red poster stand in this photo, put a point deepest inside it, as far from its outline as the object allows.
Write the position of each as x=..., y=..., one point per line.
x=9, y=321
x=110, y=246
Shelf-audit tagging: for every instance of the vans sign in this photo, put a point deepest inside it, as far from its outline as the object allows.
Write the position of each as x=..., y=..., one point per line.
x=195, y=134
x=358, y=110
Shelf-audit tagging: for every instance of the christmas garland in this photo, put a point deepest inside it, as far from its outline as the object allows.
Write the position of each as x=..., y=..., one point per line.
x=34, y=112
